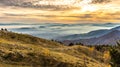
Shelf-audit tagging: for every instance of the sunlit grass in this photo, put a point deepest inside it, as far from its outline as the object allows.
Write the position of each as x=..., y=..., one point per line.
x=33, y=51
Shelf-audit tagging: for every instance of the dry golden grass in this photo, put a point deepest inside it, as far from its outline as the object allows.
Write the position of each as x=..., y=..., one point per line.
x=17, y=50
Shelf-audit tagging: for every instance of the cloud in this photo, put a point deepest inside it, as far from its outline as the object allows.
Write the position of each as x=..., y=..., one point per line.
x=39, y=4
x=90, y=17
x=9, y=14
x=100, y=1
x=60, y=10
x=81, y=16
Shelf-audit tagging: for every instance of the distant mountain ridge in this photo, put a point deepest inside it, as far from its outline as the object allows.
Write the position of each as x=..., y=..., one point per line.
x=105, y=37
x=109, y=39
x=92, y=34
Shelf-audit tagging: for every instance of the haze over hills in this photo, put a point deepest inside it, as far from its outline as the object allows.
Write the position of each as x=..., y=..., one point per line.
x=57, y=30
x=92, y=34
x=104, y=37
x=61, y=31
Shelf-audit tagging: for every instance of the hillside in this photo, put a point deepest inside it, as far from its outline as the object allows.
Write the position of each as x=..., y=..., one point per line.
x=22, y=50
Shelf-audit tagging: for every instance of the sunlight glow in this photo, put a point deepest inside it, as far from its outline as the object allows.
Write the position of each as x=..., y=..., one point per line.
x=89, y=8
x=59, y=11
x=55, y=2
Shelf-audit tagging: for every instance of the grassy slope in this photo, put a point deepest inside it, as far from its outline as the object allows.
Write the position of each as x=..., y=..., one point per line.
x=27, y=51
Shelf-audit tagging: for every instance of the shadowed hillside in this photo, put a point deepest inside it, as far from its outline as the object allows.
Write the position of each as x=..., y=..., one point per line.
x=21, y=50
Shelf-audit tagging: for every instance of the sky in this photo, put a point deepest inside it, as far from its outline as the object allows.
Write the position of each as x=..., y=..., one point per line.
x=60, y=11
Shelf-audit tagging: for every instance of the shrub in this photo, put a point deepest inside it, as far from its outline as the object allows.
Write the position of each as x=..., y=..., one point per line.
x=13, y=57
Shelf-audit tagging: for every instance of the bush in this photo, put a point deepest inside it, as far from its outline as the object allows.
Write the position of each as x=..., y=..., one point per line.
x=115, y=58
x=13, y=57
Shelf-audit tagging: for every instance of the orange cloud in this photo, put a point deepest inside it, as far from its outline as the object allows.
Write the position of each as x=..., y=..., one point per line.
x=79, y=11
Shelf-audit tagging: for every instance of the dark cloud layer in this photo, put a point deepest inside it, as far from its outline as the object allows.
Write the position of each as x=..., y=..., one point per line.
x=60, y=10
x=49, y=6
x=100, y=1
x=30, y=4
x=8, y=14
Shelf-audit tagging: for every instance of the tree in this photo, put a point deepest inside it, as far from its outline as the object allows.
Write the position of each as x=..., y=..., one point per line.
x=71, y=44
x=118, y=44
x=106, y=56
x=2, y=29
x=80, y=44
x=115, y=57
x=5, y=29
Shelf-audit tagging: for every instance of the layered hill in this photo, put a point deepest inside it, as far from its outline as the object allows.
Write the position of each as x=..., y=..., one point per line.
x=91, y=34
x=105, y=37
x=22, y=50
x=109, y=39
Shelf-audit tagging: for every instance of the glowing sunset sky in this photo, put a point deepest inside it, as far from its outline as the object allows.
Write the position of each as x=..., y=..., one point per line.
x=63, y=11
